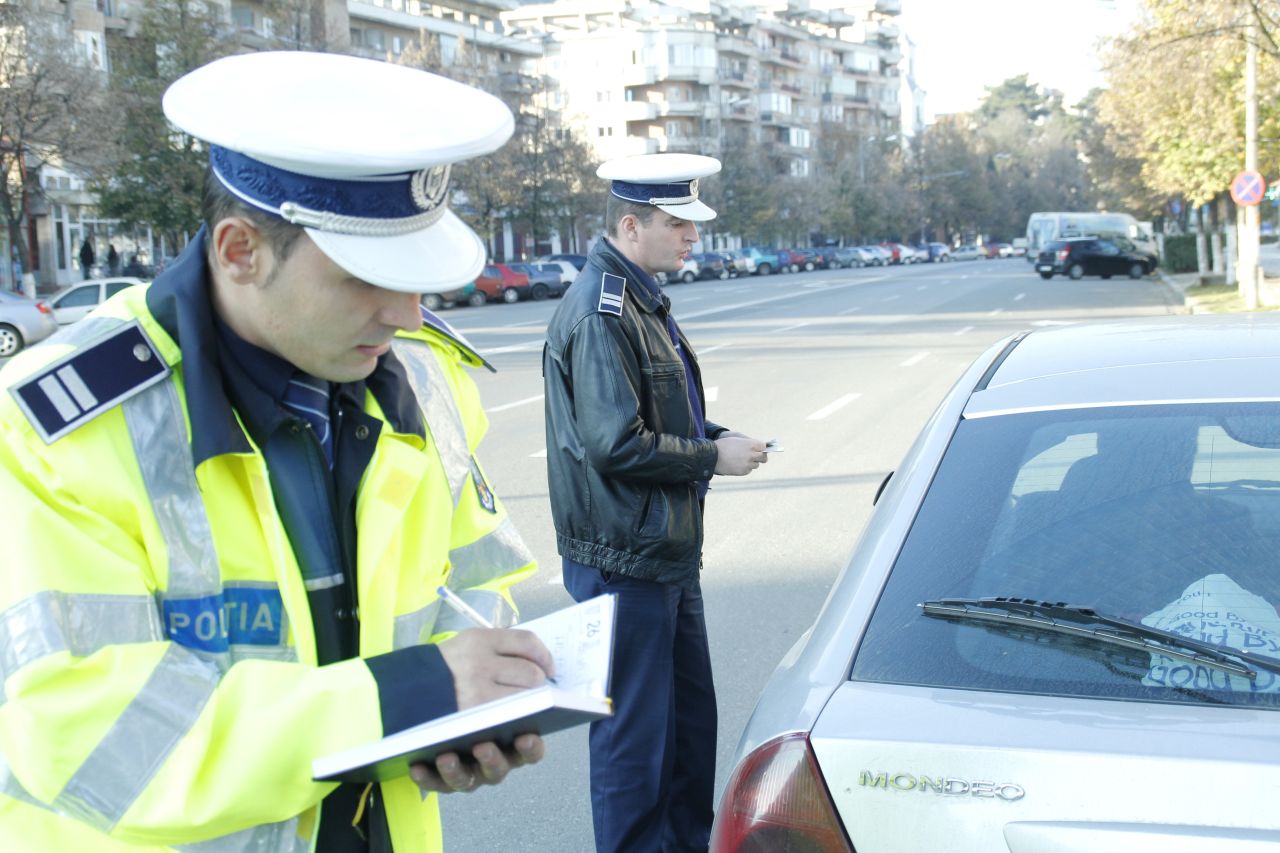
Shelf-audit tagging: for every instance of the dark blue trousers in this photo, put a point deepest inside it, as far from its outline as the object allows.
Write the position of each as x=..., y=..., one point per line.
x=653, y=763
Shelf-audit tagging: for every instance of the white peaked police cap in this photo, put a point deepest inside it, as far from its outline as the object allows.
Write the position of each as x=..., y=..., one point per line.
x=669, y=182
x=356, y=151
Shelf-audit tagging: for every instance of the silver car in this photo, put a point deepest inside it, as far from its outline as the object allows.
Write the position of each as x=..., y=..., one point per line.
x=22, y=322
x=75, y=301
x=1059, y=629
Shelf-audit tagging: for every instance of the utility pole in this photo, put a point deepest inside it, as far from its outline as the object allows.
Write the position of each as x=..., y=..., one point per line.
x=1249, y=236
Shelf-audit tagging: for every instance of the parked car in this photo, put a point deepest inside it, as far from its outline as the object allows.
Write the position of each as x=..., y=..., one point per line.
x=744, y=263
x=768, y=261
x=791, y=260
x=855, y=256
x=712, y=265
x=968, y=252
x=883, y=256
x=466, y=294
x=935, y=253
x=818, y=258
x=500, y=282
x=1069, y=583
x=74, y=301
x=578, y=261
x=1094, y=256
x=23, y=322
x=544, y=279
x=568, y=272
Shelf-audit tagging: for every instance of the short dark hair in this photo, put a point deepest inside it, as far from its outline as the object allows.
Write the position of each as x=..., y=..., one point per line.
x=616, y=208
x=218, y=203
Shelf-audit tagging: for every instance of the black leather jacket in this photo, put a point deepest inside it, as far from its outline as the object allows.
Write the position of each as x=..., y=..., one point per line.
x=623, y=459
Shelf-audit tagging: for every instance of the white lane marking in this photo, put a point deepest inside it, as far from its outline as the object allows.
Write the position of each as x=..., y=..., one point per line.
x=833, y=407
x=523, y=323
x=712, y=393
x=995, y=312
x=1020, y=297
x=556, y=580
x=684, y=299
x=506, y=406
x=528, y=345
x=890, y=298
x=703, y=352
x=792, y=326
x=914, y=360
x=923, y=287
x=684, y=318
x=849, y=310
x=1053, y=322
x=965, y=330
x=541, y=454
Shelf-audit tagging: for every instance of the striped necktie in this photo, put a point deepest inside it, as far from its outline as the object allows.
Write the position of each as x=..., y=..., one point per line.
x=308, y=397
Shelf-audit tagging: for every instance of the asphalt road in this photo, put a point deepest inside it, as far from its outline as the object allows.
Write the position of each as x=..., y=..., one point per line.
x=843, y=367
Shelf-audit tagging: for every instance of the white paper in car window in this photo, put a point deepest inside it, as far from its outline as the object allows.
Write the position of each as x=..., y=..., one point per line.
x=1217, y=610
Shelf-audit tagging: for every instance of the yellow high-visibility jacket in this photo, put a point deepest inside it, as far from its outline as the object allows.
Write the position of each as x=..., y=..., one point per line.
x=160, y=685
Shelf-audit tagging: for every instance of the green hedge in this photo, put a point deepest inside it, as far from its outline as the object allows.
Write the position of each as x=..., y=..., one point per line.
x=1180, y=253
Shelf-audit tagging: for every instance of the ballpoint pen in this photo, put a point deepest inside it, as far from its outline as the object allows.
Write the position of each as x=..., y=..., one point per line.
x=461, y=607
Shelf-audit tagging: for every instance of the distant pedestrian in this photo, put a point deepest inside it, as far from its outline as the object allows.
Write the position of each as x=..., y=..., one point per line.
x=113, y=260
x=87, y=258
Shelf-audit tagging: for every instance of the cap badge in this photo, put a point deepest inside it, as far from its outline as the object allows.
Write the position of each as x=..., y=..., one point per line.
x=429, y=187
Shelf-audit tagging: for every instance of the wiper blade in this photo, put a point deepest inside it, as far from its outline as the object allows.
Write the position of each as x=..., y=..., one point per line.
x=1078, y=621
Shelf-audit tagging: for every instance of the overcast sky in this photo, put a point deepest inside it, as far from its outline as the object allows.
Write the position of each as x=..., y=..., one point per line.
x=964, y=47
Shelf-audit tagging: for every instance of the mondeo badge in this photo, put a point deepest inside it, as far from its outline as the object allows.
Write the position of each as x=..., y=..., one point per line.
x=941, y=785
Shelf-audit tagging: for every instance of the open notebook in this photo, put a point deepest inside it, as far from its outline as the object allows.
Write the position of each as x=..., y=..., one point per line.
x=580, y=639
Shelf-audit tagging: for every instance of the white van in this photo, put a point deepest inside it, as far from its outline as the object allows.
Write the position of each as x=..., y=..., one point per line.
x=1043, y=228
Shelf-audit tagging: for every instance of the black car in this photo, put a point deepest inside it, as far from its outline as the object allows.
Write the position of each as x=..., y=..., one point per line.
x=713, y=265
x=1094, y=256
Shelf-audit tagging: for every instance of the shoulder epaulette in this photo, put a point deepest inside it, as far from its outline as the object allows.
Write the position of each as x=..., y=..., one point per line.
x=67, y=393
x=440, y=327
x=612, y=290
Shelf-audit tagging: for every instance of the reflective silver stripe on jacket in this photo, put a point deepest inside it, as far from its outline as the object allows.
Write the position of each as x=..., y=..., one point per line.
x=414, y=629
x=496, y=554
x=270, y=838
x=435, y=398
x=490, y=605
x=50, y=622
x=140, y=740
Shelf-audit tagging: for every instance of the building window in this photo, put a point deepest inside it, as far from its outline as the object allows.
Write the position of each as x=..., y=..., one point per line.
x=448, y=49
x=397, y=45
x=242, y=17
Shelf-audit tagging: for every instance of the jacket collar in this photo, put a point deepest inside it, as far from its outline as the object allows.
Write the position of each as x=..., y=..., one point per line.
x=644, y=291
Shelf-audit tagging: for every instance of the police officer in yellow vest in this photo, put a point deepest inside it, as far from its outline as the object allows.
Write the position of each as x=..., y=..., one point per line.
x=228, y=498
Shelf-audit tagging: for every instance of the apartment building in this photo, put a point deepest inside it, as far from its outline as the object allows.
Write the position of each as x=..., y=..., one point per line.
x=647, y=76
x=466, y=37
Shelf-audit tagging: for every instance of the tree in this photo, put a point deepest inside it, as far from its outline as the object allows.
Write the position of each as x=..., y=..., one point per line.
x=160, y=179
x=52, y=110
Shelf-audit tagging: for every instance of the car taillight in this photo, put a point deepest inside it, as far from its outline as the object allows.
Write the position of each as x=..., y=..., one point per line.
x=777, y=801
x=1063, y=253
x=43, y=308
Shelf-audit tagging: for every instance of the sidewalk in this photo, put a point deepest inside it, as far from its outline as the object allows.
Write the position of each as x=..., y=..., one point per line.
x=1221, y=298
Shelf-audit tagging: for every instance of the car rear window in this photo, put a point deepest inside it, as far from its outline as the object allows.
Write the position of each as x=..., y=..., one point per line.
x=1164, y=515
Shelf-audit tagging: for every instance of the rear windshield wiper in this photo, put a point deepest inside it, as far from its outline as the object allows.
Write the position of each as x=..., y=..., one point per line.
x=1077, y=621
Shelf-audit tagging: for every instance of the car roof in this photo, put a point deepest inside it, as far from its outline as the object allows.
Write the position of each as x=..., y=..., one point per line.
x=1178, y=359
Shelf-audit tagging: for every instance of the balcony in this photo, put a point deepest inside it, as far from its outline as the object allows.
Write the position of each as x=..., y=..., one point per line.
x=735, y=44
x=695, y=73
x=691, y=109
x=889, y=7
x=637, y=111
x=790, y=88
x=737, y=80
x=891, y=110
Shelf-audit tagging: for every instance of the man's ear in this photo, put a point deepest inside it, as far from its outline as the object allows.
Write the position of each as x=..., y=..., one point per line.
x=239, y=251
x=627, y=226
